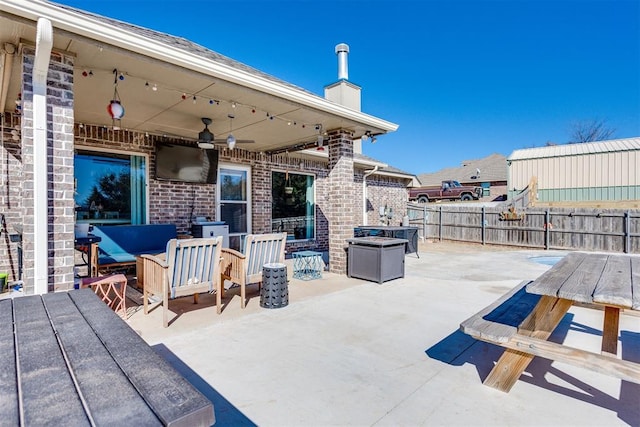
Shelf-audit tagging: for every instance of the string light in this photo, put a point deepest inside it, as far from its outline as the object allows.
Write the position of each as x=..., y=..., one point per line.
x=120, y=76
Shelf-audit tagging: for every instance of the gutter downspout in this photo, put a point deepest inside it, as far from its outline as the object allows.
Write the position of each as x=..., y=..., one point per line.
x=44, y=44
x=364, y=193
x=8, y=51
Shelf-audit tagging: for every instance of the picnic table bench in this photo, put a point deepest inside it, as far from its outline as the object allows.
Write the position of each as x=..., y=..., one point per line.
x=70, y=360
x=523, y=319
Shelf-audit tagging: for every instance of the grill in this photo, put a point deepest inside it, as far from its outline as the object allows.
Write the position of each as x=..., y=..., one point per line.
x=201, y=228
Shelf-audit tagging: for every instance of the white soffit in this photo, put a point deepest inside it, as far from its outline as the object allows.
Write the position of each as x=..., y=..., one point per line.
x=97, y=30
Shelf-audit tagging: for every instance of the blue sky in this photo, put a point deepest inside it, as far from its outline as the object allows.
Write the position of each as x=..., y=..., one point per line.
x=463, y=79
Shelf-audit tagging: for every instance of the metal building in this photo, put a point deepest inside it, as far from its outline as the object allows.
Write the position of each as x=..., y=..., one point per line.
x=594, y=171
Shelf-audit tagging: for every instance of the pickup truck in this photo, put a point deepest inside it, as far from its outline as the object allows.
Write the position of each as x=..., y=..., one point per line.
x=449, y=190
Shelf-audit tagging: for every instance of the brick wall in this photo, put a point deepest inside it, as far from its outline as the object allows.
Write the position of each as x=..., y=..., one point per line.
x=341, y=206
x=59, y=167
x=178, y=202
x=338, y=192
x=10, y=198
x=385, y=191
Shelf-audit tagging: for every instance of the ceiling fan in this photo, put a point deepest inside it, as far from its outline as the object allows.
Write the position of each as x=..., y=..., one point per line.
x=206, y=138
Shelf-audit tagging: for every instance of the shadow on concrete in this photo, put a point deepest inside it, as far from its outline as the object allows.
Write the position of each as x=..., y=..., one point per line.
x=225, y=413
x=459, y=348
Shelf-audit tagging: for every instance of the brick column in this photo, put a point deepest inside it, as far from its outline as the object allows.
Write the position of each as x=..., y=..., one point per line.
x=342, y=200
x=261, y=197
x=60, y=144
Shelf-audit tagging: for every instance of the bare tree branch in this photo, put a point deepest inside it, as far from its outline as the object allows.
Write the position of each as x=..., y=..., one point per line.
x=591, y=130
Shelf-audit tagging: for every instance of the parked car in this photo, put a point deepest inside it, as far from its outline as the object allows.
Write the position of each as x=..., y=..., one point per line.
x=448, y=190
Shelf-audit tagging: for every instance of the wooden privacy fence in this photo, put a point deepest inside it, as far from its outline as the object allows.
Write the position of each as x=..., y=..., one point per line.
x=589, y=229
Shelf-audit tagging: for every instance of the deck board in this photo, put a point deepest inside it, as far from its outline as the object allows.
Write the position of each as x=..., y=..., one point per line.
x=580, y=285
x=635, y=282
x=46, y=388
x=77, y=363
x=614, y=286
x=9, y=413
x=550, y=282
x=167, y=392
x=102, y=384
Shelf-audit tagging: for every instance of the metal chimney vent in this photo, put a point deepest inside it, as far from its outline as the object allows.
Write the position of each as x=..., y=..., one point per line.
x=342, y=50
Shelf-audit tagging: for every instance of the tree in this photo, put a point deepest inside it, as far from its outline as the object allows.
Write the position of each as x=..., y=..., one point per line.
x=590, y=130
x=112, y=193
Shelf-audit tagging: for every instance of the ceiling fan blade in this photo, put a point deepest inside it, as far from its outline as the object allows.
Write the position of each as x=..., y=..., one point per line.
x=238, y=141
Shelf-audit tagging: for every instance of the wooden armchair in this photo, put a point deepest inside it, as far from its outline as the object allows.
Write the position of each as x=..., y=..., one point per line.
x=246, y=268
x=188, y=267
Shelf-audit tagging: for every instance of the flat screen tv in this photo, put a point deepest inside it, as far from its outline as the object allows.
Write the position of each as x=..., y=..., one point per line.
x=177, y=162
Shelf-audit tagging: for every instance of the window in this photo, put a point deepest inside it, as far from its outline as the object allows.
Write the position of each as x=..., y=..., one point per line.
x=110, y=188
x=234, y=203
x=293, y=205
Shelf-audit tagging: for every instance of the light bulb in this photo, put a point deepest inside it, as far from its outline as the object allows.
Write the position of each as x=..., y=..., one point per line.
x=231, y=141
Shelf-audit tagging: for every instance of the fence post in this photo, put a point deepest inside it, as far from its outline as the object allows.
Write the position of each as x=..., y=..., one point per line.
x=547, y=228
x=440, y=225
x=627, y=232
x=483, y=224
x=424, y=222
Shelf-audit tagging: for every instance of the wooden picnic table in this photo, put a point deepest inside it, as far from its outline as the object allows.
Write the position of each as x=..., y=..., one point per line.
x=68, y=359
x=607, y=282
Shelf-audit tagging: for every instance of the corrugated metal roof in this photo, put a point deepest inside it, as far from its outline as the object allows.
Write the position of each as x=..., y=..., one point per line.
x=609, y=146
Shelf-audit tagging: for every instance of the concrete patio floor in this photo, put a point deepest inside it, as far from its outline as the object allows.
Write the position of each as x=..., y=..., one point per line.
x=352, y=352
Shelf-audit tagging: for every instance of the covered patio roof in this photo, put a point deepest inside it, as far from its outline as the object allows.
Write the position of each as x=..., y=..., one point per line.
x=167, y=84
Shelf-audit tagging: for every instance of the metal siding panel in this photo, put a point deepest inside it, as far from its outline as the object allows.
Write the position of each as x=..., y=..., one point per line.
x=611, y=167
x=523, y=170
x=577, y=170
x=555, y=172
x=518, y=172
x=512, y=175
x=592, y=160
x=543, y=176
x=545, y=171
x=615, y=173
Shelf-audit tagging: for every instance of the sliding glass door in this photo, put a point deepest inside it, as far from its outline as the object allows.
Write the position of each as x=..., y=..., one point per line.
x=110, y=188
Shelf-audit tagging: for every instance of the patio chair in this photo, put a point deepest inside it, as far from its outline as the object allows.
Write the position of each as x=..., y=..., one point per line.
x=246, y=268
x=188, y=267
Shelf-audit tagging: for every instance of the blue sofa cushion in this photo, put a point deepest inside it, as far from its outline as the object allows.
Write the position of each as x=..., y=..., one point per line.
x=121, y=243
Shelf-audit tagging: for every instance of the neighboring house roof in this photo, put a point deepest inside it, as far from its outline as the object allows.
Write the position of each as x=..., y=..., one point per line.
x=609, y=146
x=362, y=158
x=492, y=168
x=369, y=163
